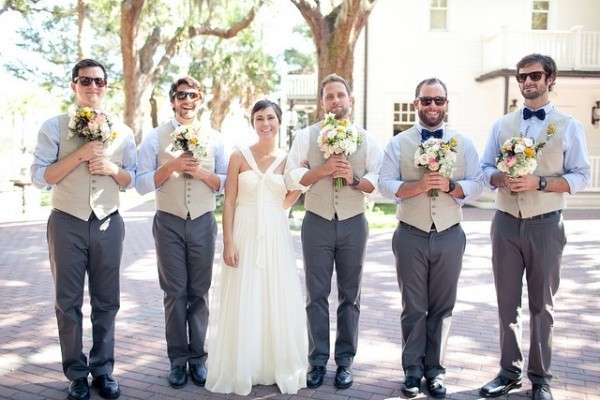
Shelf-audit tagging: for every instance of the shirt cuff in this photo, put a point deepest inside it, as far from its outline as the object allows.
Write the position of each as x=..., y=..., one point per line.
x=132, y=181
x=145, y=183
x=372, y=177
x=222, y=179
x=37, y=178
x=294, y=177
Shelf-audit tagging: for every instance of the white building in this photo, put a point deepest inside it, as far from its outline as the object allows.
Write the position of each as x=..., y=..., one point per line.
x=473, y=46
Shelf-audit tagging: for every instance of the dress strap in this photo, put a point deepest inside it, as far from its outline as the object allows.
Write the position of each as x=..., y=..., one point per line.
x=247, y=153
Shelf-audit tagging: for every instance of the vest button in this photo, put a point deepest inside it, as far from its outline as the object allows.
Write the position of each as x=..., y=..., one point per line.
x=433, y=213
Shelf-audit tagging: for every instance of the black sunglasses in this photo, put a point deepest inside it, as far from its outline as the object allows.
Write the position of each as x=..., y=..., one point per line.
x=182, y=95
x=534, y=76
x=87, y=81
x=438, y=100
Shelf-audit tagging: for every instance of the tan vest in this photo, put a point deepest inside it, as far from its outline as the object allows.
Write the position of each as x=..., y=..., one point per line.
x=325, y=200
x=550, y=163
x=79, y=193
x=422, y=211
x=180, y=195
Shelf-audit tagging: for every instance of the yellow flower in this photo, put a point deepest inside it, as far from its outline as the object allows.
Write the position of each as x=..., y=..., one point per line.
x=551, y=129
x=453, y=142
x=193, y=140
x=113, y=135
x=529, y=152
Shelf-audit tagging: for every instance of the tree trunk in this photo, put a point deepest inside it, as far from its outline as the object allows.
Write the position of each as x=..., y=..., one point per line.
x=335, y=36
x=219, y=107
x=130, y=13
x=140, y=74
x=153, y=110
x=82, y=45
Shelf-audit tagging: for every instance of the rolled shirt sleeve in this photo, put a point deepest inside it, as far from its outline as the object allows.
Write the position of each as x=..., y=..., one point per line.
x=490, y=153
x=472, y=183
x=373, y=161
x=294, y=168
x=576, y=160
x=147, y=161
x=221, y=161
x=129, y=161
x=46, y=152
x=390, y=179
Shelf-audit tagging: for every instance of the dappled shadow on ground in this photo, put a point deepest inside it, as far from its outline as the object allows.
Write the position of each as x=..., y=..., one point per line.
x=30, y=356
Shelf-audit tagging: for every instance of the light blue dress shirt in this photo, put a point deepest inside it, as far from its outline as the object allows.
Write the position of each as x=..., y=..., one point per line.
x=576, y=162
x=148, y=161
x=390, y=178
x=46, y=153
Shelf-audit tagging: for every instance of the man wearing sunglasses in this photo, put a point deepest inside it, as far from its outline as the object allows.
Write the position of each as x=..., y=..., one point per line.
x=429, y=242
x=85, y=230
x=184, y=228
x=527, y=230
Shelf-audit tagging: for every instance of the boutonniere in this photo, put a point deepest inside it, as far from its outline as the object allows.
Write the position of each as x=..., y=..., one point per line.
x=550, y=129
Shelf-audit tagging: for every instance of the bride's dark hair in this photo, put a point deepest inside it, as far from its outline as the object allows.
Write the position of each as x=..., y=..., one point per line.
x=261, y=105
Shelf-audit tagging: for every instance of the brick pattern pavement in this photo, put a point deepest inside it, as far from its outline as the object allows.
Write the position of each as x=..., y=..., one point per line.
x=30, y=355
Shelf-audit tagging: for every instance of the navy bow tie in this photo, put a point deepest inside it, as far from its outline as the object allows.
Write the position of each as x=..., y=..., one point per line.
x=426, y=134
x=540, y=114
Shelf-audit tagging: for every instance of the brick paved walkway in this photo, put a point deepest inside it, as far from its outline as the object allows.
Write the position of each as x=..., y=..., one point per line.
x=30, y=356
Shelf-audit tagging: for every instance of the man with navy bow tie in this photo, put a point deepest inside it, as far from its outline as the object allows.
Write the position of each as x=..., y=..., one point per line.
x=429, y=242
x=527, y=230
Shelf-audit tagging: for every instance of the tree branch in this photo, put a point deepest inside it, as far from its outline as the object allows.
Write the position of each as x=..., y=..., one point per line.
x=226, y=33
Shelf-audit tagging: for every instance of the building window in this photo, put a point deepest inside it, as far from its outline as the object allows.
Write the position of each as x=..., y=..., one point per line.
x=438, y=15
x=539, y=14
x=404, y=116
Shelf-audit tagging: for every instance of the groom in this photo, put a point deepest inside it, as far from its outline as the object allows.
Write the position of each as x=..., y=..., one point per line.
x=334, y=232
x=184, y=230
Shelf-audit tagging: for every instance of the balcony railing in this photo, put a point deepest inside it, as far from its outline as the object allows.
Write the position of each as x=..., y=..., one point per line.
x=300, y=87
x=574, y=49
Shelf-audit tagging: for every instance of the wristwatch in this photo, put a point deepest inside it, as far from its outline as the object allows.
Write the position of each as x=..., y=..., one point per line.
x=451, y=186
x=543, y=183
x=355, y=181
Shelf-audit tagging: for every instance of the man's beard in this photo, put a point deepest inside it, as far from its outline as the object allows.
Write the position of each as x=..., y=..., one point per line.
x=341, y=114
x=431, y=123
x=532, y=95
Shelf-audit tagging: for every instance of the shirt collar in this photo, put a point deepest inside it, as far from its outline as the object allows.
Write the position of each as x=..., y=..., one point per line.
x=420, y=127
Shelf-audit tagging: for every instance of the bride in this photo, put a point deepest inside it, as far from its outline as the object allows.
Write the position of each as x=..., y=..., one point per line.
x=257, y=329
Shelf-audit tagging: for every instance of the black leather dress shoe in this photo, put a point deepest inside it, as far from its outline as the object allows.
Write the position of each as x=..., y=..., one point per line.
x=411, y=387
x=541, y=392
x=499, y=386
x=107, y=386
x=436, y=388
x=178, y=377
x=79, y=389
x=343, y=378
x=198, y=373
x=314, y=377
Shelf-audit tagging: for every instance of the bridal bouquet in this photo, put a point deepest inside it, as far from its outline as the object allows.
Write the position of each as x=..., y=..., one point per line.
x=187, y=138
x=518, y=156
x=435, y=155
x=338, y=137
x=91, y=125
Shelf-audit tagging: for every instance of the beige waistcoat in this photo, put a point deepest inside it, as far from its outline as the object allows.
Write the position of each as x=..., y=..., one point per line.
x=550, y=163
x=80, y=193
x=422, y=211
x=323, y=198
x=181, y=195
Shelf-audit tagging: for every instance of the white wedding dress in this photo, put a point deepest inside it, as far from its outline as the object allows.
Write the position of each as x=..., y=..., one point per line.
x=257, y=328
